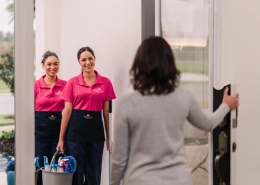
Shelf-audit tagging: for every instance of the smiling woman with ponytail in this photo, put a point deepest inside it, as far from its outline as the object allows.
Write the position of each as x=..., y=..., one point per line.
x=86, y=99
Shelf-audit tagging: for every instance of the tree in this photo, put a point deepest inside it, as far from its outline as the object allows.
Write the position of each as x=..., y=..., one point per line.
x=10, y=9
x=1, y=35
x=7, y=69
x=9, y=37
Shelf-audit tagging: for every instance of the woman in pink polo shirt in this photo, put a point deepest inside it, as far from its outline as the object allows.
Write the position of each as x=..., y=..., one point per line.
x=48, y=108
x=86, y=95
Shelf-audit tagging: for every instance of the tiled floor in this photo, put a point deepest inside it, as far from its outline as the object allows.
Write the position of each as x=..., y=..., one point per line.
x=197, y=157
x=3, y=178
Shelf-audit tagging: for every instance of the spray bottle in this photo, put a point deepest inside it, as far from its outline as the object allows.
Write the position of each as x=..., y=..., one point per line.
x=46, y=164
x=53, y=166
x=10, y=164
x=60, y=165
x=9, y=158
x=37, y=166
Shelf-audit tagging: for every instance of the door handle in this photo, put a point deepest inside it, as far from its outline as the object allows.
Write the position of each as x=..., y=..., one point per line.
x=223, y=149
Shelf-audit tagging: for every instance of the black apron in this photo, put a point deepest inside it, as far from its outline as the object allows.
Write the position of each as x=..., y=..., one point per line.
x=47, y=126
x=85, y=126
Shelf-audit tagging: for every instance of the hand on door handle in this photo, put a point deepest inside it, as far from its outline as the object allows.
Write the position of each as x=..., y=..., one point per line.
x=231, y=100
x=223, y=149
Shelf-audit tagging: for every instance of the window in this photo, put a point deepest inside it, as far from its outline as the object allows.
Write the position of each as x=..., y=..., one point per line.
x=184, y=24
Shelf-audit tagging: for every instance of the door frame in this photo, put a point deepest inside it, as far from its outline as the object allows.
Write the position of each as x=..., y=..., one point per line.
x=24, y=91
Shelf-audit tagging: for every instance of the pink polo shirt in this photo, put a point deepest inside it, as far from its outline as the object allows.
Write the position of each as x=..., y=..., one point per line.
x=46, y=98
x=84, y=97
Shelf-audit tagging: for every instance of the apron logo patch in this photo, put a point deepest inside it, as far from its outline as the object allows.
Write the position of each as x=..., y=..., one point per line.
x=88, y=116
x=52, y=117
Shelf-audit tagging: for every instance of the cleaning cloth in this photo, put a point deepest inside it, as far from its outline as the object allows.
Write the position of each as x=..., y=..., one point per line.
x=70, y=164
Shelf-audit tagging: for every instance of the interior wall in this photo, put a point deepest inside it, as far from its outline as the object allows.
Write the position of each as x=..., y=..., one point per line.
x=238, y=63
x=111, y=28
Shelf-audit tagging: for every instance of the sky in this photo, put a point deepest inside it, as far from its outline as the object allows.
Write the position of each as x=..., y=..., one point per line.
x=5, y=17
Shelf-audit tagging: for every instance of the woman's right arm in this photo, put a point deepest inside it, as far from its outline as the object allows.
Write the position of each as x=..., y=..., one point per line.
x=208, y=122
x=64, y=124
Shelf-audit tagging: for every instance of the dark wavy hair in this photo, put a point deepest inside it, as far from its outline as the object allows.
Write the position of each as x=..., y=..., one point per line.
x=154, y=70
x=48, y=54
x=83, y=49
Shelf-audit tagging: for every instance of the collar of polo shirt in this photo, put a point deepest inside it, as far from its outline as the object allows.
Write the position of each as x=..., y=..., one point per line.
x=80, y=80
x=43, y=84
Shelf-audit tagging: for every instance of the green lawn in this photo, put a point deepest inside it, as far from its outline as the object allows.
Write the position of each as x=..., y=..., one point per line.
x=6, y=119
x=192, y=67
x=194, y=83
x=3, y=87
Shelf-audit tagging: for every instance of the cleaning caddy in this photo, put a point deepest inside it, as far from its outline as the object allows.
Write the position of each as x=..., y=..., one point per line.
x=60, y=173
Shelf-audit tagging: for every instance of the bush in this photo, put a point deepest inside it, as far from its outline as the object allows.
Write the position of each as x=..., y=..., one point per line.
x=7, y=143
x=7, y=69
x=7, y=135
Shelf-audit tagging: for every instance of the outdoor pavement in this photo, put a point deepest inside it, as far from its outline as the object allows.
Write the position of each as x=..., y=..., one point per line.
x=3, y=178
x=6, y=128
x=8, y=101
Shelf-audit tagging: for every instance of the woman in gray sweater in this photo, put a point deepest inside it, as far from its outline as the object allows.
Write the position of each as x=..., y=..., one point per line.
x=148, y=141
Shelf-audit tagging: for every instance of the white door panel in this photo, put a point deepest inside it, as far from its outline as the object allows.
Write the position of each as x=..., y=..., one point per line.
x=237, y=54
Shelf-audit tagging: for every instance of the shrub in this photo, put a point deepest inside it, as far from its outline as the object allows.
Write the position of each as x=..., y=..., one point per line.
x=7, y=135
x=7, y=69
x=7, y=143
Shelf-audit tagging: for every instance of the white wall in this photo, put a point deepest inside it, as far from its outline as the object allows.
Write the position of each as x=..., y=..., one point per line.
x=111, y=28
x=238, y=63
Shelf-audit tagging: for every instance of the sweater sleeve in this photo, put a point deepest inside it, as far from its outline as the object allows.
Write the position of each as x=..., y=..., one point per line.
x=201, y=119
x=121, y=146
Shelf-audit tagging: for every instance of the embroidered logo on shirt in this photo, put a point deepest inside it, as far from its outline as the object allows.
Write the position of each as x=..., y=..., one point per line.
x=98, y=90
x=58, y=93
x=52, y=117
x=88, y=116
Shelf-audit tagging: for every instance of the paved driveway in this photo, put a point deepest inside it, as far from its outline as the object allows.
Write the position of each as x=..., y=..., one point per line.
x=6, y=104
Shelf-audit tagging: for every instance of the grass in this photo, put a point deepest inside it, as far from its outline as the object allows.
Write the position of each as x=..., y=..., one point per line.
x=6, y=119
x=194, y=83
x=4, y=88
x=193, y=67
x=5, y=46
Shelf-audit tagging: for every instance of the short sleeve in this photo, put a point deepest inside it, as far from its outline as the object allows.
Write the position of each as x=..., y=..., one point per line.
x=110, y=93
x=35, y=89
x=35, y=93
x=67, y=93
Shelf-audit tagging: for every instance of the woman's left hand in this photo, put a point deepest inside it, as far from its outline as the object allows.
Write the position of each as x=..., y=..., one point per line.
x=108, y=147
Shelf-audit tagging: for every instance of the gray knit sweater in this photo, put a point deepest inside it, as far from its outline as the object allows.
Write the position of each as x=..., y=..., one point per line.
x=148, y=141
